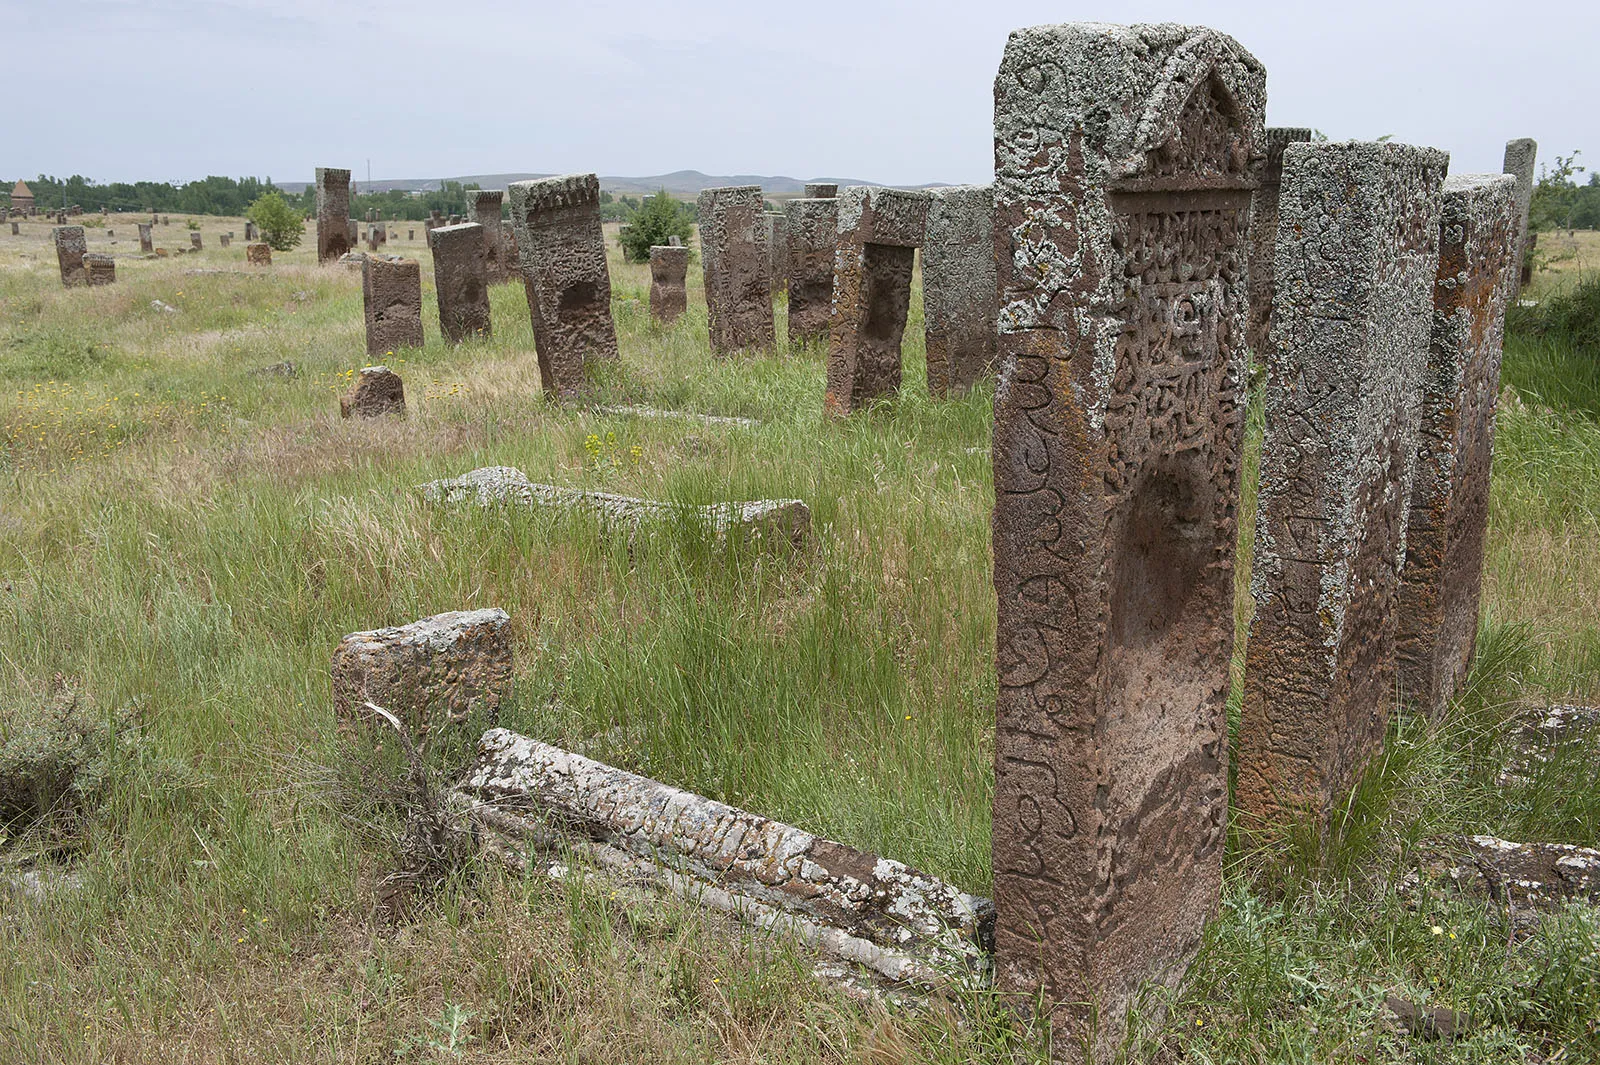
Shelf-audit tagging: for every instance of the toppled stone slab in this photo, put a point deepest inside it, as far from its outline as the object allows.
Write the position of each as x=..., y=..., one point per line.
x=1545, y=733
x=377, y=391
x=430, y=673
x=686, y=415
x=1522, y=876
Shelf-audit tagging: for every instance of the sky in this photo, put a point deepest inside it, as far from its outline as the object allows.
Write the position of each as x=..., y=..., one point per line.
x=892, y=92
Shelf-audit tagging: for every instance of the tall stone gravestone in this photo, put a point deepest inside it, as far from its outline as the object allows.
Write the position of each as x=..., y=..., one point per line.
x=194, y=239
x=879, y=233
x=1437, y=627
x=777, y=251
x=461, y=280
x=813, y=226
x=1264, y=232
x=391, y=292
x=958, y=287
x=1520, y=156
x=333, y=213
x=71, y=246
x=486, y=212
x=733, y=258
x=821, y=190
x=669, y=270
x=1125, y=158
x=1358, y=254
x=146, y=242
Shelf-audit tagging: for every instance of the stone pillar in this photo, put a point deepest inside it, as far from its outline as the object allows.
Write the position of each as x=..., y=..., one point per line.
x=1440, y=585
x=1264, y=232
x=372, y=238
x=1519, y=159
x=225, y=240
x=1124, y=161
x=1357, y=258
x=879, y=233
x=461, y=279
x=355, y=232
x=669, y=270
x=486, y=211
x=376, y=391
x=15, y=230
x=562, y=250
x=194, y=239
x=249, y=232
x=813, y=231
x=821, y=190
x=958, y=287
x=411, y=234
x=71, y=246
x=391, y=292
x=99, y=269
x=146, y=241
x=258, y=254
x=333, y=213
x=733, y=259
x=777, y=226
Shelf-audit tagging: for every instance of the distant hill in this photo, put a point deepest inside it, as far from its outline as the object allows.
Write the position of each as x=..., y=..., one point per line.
x=683, y=183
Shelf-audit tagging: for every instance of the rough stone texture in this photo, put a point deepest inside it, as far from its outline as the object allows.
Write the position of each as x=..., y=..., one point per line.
x=687, y=415
x=1523, y=877
x=225, y=240
x=372, y=238
x=734, y=259
x=879, y=233
x=258, y=254
x=1437, y=625
x=813, y=226
x=486, y=212
x=1521, y=154
x=333, y=214
x=1553, y=733
x=904, y=923
x=1264, y=232
x=355, y=232
x=71, y=246
x=1124, y=163
x=786, y=520
x=146, y=242
x=821, y=190
x=958, y=287
x=100, y=269
x=249, y=231
x=431, y=673
x=1357, y=258
x=376, y=391
x=561, y=251
x=391, y=292
x=777, y=226
x=669, y=293
x=194, y=240
x=461, y=280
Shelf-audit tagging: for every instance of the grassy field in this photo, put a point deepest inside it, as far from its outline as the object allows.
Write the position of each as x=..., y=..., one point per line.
x=188, y=537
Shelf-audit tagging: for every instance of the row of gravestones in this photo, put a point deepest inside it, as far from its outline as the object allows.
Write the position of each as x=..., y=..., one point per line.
x=79, y=266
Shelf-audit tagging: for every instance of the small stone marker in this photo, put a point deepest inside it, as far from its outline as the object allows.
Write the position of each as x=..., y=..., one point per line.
x=16, y=231
x=777, y=251
x=391, y=293
x=146, y=241
x=1520, y=157
x=1443, y=576
x=821, y=190
x=99, y=269
x=258, y=254
x=674, y=241
x=333, y=212
x=733, y=258
x=461, y=280
x=249, y=232
x=377, y=391
x=194, y=239
x=1264, y=232
x=958, y=287
x=455, y=220
x=165, y=220
x=71, y=246
x=669, y=294
x=430, y=674
x=354, y=231
x=880, y=231
x=225, y=240
x=372, y=238
x=486, y=212
x=1357, y=259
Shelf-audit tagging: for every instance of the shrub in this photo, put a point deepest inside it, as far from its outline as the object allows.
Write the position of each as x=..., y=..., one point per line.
x=280, y=224
x=659, y=217
x=56, y=758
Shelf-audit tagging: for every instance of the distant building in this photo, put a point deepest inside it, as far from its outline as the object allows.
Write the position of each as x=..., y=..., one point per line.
x=21, y=198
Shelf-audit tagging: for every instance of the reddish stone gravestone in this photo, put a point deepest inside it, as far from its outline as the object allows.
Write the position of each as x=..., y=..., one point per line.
x=958, y=287
x=669, y=271
x=333, y=214
x=562, y=251
x=100, y=269
x=225, y=240
x=258, y=254
x=461, y=280
x=391, y=292
x=1358, y=253
x=880, y=231
x=821, y=190
x=813, y=230
x=355, y=232
x=1443, y=575
x=372, y=238
x=734, y=261
x=1124, y=162
x=146, y=242
x=1519, y=159
x=71, y=246
x=377, y=391
x=194, y=239
x=486, y=212
x=1264, y=233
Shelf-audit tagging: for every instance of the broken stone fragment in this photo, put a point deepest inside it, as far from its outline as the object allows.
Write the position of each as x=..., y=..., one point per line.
x=1523, y=876
x=377, y=391
x=430, y=673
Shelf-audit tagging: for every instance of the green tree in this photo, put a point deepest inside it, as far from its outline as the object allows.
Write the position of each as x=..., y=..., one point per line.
x=279, y=223
x=659, y=217
x=1557, y=196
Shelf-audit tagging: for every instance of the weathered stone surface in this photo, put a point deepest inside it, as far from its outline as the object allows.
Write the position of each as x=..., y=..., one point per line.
x=486, y=212
x=821, y=190
x=813, y=226
x=430, y=674
x=461, y=280
x=355, y=232
x=225, y=240
x=1358, y=251
x=391, y=292
x=258, y=254
x=734, y=259
x=687, y=415
x=372, y=238
x=1437, y=625
x=669, y=273
x=777, y=226
x=879, y=233
x=1523, y=876
x=1549, y=734
x=333, y=213
x=146, y=242
x=249, y=231
x=1124, y=163
x=376, y=391
x=1521, y=154
x=958, y=287
x=1264, y=232
x=194, y=239
x=71, y=246
x=100, y=269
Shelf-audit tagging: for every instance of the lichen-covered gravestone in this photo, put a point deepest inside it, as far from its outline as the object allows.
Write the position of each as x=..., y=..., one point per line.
x=71, y=246
x=879, y=233
x=813, y=226
x=486, y=212
x=669, y=271
x=734, y=259
x=100, y=269
x=333, y=212
x=461, y=280
x=1519, y=161
x=1124, y=162
x=562, y=252
x=258, y=254
x=1358, y=254
x=146, y=243
x=958, y=287
x=1264, y=232
x=428, y=674
x=821, y=190
x=1443, y=576
x=391, y=292
x=376, y=391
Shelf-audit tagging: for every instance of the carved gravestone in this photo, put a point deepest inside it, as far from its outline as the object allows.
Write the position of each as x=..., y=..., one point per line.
x=165, y=220
x=669, y=270
x=1264, y=232
x=1519, y=159
x=194, y=239
x=777, y=251
x=1124, y=162
x=258, y=254
x=821, y=190
x=333, y=211
x=376, y=391
x=391, y=292
x=99, y=269
x=225, y=240
x=879, y=233
x=486, y=212
x=958, y=287
x=146, y=242
x=372, y=238
x=813, y=229
x=249, y=232
x=430, y=674
x=461, y=281
x=1358, y=251
x=734, y=260
x=71, y=246
x=1437, y=627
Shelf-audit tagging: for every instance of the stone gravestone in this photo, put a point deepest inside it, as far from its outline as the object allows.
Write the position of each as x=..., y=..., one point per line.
x=562, y=254
x=455, y=220
x=1358, y=251
x=194, y=239
x=377, y=391
x=333, y=212
x=430, y=674
x=411, y=234
x=777, y=251
x=733, y=259
x=249, y=232
x=1124, y=162
x=146, y=241
x=1437, y=627
x=391, y=292
x=165, y=220
x=958, y=287
x=16, y=230
x=258, y=254
x=355, y=232
x=1264, y=232
x=461, y=279
x=669, y=270
x=879, y=233
x=1519, y=159
x=821, y=190
x=99, y=269
x=486, y=211
x=71, y=246
x=225, y=240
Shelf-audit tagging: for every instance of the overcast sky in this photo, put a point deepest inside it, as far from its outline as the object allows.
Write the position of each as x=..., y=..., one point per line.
x=898, y=92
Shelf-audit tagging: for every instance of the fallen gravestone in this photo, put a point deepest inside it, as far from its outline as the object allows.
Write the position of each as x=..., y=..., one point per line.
x=461, y=281
x=333, y=212
x=1524, y=878
x=813, y=232
x=958, y=287
x=669, y=294
x=391, y=295
x=735, y=265
x=377, y=391
x=1264, y=232
x=429, y=674
x=654, y=412
x=71, y=246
